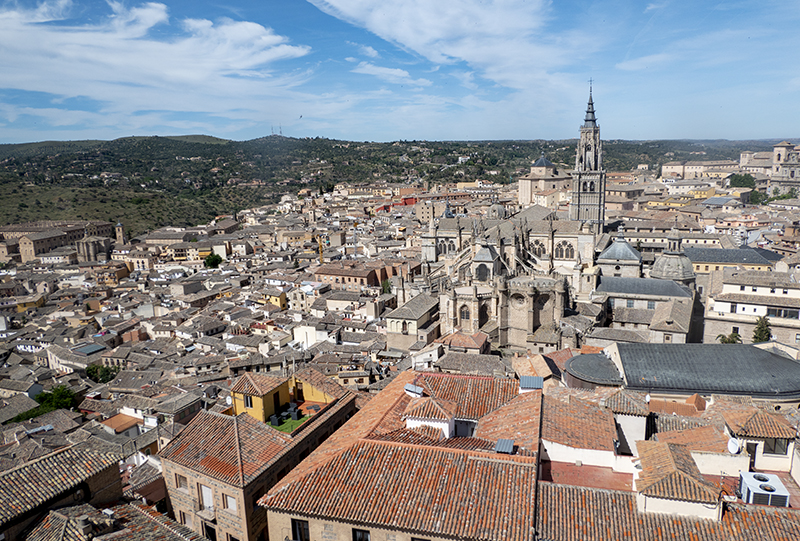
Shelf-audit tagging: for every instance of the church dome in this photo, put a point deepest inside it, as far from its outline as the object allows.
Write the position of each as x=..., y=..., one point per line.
x=497, y=212
x=673, y=266
x=620, y=250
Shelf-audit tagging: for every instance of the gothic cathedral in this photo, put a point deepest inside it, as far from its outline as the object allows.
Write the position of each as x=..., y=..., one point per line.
x=588, y=178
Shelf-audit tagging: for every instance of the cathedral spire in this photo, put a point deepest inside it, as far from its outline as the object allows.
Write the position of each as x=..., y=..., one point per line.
x=590, y=121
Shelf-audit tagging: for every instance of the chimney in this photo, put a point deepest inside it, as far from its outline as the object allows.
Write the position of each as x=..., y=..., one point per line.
x=84, y=526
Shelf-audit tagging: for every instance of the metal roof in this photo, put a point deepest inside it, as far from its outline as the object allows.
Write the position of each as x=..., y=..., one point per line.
x=505, y=447
x=531, y=382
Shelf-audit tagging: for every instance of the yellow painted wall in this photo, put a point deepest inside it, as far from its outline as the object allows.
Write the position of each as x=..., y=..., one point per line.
x=312, y=394
x=263, y=407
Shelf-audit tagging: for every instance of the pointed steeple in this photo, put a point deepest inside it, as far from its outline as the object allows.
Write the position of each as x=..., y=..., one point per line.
x=590, y=121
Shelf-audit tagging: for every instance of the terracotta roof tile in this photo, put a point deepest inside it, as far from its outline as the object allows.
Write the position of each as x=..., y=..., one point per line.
x=519, y=420
x=705, y=438
x=476, y=396
x=27, y=486
x=627, y=403
x=568, y=513
x=760, y=424
x=418, y=489
x=578, y=424
x=233, y=450
x=669, y=472
x=255, y=384
x=431, y=408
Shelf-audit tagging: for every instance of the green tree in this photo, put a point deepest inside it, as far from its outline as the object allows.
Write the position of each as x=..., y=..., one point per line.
x=386, y=285
x=59, y=398
x=763, y=331
x=757, y=198
x=732, y=338
x=212, y=261
x=101, y=374
x=743, y=181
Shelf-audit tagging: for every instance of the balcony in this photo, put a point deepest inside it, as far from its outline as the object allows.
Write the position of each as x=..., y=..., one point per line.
x=295, y=415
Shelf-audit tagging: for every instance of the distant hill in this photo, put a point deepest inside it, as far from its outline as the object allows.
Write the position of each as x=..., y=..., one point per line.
x=185, y=179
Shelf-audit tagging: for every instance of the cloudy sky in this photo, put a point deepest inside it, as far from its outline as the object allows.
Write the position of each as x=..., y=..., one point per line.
x=383, y=70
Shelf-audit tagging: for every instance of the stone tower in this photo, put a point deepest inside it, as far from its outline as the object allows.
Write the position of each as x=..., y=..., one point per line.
x=120, y=233
x=588, y=179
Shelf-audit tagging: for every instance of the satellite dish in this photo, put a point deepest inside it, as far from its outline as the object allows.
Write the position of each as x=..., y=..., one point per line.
x=647, y=398
x=733, y=446
x=229, y=402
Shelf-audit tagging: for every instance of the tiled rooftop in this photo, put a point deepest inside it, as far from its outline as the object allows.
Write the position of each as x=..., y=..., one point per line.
x=567, y=513
x=233, y=450
x=578, y=424
x=27, y=486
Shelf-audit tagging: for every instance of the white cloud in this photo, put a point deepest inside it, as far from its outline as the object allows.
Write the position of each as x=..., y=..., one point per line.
x=506, y=40
x=653, y=7
x=390, y=75
x=220, y=68
x=366, y=50
x=644, y=62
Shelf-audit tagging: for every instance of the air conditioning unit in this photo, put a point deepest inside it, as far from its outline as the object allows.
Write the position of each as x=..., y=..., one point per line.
x=763, y=489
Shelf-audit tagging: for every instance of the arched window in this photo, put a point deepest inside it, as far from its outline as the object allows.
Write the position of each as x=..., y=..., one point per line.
x=591, y=186
x=538, y=248
x=564, y=250
x=452, y=246
x=464, y=314
x=405, y=328
x=482, y=273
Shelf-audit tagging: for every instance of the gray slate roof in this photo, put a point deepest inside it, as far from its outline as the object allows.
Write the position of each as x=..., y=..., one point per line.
x=641, y=286
x=415, y=308
x=620, y=250
x=710, y=368
x=741, y=256
x=595, y=368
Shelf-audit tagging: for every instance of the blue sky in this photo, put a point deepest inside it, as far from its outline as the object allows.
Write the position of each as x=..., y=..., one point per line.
x=383, y=70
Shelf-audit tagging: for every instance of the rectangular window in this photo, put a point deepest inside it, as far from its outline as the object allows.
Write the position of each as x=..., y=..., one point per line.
x=735, y=329
x=785, y=291
x=651, y=305
x=248, y=401
x=733, y=308
x=360, y=535
x=630, y=303
x=181, y=482
x=667, y=338
x=300, y=530
x=741, y=288
x=611, y=303
x=776, y=446
x=772, y=290
x=229, y=502
x=755, y=290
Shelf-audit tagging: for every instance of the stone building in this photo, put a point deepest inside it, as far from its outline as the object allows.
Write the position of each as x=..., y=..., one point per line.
x=544, y=176
x=221, y=463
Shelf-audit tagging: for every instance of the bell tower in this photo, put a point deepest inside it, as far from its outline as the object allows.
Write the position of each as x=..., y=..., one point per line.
x=589, y=179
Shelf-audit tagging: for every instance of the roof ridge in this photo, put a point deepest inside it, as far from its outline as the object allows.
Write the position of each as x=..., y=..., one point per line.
x=238, y=449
